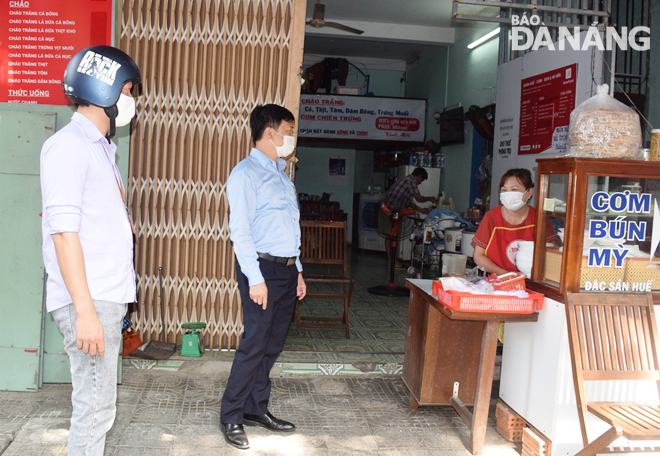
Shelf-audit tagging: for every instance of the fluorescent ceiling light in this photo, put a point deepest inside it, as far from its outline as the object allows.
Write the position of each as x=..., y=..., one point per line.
x=484, y=38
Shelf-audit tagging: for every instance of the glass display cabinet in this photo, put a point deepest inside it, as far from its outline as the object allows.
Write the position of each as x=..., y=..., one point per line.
x=605, y=216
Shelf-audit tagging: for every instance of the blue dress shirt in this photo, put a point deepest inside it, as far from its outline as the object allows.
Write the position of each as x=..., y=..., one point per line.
x=263, y=213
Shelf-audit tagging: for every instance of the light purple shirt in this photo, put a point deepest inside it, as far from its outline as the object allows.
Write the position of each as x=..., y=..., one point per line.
x=80, y=193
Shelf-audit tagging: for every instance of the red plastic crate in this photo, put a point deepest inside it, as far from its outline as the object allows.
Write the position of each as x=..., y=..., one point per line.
x=514, y=282
x=468, y=302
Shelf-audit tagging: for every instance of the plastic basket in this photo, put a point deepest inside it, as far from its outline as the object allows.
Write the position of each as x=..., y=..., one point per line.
x=515, y=282
x=468, y=302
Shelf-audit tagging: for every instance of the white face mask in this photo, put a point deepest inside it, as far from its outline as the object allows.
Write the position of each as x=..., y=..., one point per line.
x=512, y=200
x=125, y=110
x=285, y=149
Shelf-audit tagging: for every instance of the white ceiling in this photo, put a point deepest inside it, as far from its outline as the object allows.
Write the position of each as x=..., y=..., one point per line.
x=338, y=46
x=431, y=13
x=402, y=30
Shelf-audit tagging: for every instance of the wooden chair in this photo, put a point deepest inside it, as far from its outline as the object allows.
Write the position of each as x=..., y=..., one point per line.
x=324, y=243
x=614, y=337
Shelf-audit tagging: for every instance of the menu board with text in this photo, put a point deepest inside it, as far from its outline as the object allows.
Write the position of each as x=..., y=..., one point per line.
x=546, y=102
x=37, y=40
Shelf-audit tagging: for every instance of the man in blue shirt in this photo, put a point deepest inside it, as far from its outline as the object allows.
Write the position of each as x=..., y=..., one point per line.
x=264, y=222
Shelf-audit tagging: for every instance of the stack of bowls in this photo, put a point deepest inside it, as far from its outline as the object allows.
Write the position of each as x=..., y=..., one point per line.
x=525, y=257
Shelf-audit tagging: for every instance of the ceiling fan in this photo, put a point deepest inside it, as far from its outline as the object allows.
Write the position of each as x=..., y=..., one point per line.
x=318, y=21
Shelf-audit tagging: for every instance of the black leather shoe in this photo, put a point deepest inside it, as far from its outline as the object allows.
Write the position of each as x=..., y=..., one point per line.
x=269, y=422
x=235, y=436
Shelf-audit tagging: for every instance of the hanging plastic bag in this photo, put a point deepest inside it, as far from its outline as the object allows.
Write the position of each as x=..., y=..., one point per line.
x=602, y=127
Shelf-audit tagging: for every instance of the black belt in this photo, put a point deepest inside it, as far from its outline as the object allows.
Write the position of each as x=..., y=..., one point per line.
x=283, y=260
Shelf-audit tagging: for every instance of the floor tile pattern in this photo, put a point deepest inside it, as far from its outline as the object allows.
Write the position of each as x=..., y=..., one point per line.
x=378, y=327
x=377, y=323
x=174, y=413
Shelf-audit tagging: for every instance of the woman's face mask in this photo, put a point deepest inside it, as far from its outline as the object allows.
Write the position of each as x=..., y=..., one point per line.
x=287, y=147
x=512, y=200
x=513, y=194
x=125, y=110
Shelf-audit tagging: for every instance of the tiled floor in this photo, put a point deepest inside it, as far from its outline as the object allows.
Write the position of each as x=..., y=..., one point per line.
x=177, y=413
x=323, y=382
x=378, y=328
x=378, y=323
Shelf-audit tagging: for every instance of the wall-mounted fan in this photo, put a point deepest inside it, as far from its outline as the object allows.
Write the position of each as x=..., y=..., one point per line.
x=319, y=21
x=482, y=120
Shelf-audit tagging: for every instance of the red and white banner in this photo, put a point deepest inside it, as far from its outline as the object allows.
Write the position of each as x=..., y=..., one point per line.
x=361, y=118
x=37, y=40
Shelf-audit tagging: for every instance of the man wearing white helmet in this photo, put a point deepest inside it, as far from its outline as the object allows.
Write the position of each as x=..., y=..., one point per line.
x=88, y=236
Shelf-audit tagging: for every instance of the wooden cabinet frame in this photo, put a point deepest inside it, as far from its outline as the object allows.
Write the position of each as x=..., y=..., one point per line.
x=578, y=170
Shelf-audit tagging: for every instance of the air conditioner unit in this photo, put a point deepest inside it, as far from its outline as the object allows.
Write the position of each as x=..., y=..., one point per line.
x=368, y=236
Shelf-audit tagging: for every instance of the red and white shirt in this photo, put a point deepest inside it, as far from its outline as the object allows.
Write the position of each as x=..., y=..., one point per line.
x=499, y=238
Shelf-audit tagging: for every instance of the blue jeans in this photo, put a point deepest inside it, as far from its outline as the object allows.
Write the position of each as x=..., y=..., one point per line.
x=94, y=379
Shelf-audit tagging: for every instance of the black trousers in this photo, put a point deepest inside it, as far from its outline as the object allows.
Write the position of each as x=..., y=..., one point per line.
x=248, y=387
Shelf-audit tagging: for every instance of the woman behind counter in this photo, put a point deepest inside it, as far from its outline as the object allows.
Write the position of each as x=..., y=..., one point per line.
x=495, y=244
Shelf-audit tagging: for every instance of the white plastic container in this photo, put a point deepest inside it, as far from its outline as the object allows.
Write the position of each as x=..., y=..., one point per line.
x=453, y=238
x=467, y=248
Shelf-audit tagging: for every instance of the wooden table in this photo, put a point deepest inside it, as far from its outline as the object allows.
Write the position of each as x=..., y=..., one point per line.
x=450, y=357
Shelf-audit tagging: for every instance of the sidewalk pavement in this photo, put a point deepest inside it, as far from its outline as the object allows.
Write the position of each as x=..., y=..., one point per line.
x=177, y=413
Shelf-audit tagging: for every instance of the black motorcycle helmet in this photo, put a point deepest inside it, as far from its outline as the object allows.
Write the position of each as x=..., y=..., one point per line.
x=96, y=75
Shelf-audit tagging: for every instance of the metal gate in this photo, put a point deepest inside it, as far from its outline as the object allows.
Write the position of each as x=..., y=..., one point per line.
x=205, y=64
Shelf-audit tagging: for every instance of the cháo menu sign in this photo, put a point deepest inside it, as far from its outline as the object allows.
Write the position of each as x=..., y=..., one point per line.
x=37, y=39
x=361, y=118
